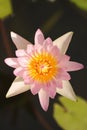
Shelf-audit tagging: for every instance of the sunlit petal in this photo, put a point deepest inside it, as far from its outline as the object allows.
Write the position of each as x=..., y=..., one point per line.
x=19, y=42
x=63, y=42
x=67, y=91
x=17, y=87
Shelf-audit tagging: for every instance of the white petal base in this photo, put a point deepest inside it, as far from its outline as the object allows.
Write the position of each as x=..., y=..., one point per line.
x=67, y=91
x=17, y=87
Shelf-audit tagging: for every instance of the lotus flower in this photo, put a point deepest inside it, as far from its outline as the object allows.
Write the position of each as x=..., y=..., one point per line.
x=42, y=68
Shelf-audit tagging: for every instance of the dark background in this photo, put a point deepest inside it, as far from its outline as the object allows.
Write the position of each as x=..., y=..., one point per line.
x=23, y=112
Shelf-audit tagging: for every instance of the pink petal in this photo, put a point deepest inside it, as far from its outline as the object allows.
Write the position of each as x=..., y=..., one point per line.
x=30, y=48
x=12, y=62
x=67, y=91
x=50, y=88
x=63, y=61
x=73, y=66
x=39, y=37
x=23, y=61
x=35, y=89
x=19, y=42
x=63, y=42
x=44, y=99
x=27, y=79
x=20, y=53
x=55, y=52
x=48, y=41
x=19, y=71
x=17, y=87
x=59, y=84
x=47, y=44
x=63, y=75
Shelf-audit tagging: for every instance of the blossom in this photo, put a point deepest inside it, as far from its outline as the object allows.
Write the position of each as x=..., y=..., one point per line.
x=42, y=68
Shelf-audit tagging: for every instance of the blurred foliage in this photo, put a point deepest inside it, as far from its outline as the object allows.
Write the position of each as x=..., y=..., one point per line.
x=71, y=115
x=82, y=4
x=5, y=8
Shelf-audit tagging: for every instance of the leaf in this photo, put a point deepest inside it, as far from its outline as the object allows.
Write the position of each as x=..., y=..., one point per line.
x=71, y=115
x=82, y=4
x=5, y=8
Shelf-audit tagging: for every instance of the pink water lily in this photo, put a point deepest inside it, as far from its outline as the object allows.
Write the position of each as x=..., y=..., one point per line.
x=42, y=68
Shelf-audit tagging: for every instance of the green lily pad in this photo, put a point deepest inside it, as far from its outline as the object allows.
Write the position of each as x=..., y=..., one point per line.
x=82, y=4
x=5, y=8
x=71, y=115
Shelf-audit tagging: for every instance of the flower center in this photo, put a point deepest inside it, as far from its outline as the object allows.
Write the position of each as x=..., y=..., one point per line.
x=42, y=67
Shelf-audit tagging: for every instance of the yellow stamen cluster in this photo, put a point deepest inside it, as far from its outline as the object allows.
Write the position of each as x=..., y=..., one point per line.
x=42, y=67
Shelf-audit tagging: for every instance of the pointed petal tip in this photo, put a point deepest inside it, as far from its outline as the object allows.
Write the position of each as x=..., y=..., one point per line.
x=13, y=34
x=6, y=61
x=8, y=95
x=63, y=41
x=17, y=87
x=74, y=98
x=67, y=91
x=45, y=109
x=38, y=30
x=69, y=34
x=82, y=66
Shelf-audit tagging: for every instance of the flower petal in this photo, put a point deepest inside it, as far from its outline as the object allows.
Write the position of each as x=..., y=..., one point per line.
x=44, y=99
x=23, y=61
x=20, y=53
x=19, y=42
x=30, y=48
x=63, y=42
x=17, y=87
x=12, y=62
x=19, y=71
x=51, y=91
x=35, y=89
x=63, y=75
x=39, y=37
x=67, y=91
x=48, y=41
x=73, y=66
x=64, y=60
